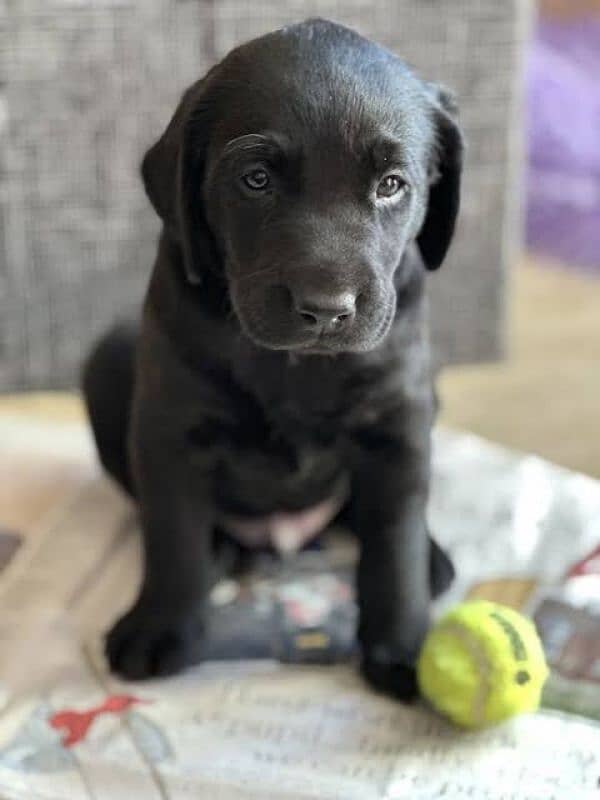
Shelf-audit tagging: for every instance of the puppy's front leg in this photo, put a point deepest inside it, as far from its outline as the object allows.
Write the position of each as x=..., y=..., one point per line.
x=389, y=496
x=163, y=630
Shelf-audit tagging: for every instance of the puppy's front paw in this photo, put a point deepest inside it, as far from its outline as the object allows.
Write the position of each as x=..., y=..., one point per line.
x=394, y=676
x=143, y=644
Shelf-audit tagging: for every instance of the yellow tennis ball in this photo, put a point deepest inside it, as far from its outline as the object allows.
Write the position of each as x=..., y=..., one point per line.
x=482, y=663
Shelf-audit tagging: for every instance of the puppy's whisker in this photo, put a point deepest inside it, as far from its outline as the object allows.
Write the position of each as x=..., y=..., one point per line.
x=264, y=271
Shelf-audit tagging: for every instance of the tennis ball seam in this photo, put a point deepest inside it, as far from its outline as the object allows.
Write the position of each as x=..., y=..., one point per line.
x=482, y=663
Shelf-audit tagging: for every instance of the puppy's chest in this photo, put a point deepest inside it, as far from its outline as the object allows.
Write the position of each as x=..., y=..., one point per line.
x=279, y=453
x=279, y=446
x=280, y=462
x=299, y=395
x=278, y=488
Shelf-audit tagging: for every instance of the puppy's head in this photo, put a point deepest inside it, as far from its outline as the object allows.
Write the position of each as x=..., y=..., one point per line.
x=299, y=169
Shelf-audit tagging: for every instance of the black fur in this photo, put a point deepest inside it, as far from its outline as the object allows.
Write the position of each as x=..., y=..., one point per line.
x=283, y=346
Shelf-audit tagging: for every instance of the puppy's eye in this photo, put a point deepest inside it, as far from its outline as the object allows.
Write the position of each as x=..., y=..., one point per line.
x=256, y=179
x=391, y=185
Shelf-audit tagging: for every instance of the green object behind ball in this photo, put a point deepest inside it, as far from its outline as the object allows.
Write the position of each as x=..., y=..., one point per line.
x=482, y=663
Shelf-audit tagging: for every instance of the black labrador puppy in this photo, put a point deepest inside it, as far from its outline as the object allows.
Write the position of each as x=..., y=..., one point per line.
x=281, y=375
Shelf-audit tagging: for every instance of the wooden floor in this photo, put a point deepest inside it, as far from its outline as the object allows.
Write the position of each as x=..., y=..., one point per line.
x=545, y=398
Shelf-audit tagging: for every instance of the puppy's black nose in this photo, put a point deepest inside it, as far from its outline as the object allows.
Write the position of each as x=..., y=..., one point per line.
x=326, y=311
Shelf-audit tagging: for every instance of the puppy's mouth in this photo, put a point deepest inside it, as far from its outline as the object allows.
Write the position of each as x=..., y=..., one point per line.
x=323, y=343
x=313, y=345
x=273, y=325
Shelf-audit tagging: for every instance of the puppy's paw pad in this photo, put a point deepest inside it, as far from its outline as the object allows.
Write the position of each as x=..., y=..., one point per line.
x=396, y=679
x=141, y=646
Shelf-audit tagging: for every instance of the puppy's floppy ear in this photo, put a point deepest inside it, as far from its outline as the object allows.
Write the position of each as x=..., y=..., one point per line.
x=172, y=172
x=444, y=191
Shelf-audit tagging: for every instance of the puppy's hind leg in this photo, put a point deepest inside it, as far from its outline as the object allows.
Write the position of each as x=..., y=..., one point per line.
x=441, y=569
x=107, y=382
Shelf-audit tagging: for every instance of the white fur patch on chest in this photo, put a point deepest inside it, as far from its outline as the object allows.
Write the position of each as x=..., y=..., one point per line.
x=285, y=531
